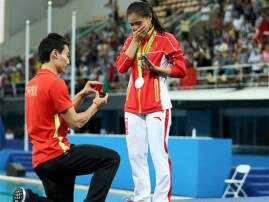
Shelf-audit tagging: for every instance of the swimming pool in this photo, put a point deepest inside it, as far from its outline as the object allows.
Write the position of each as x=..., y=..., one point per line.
x=9, y=183
x=7, y=187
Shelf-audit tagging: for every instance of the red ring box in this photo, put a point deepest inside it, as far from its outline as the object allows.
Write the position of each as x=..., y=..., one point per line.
x=98, y=87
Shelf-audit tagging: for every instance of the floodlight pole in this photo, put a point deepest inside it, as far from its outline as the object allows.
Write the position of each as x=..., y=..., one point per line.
x=27, y=50
x=49, y=16
x=73, y=57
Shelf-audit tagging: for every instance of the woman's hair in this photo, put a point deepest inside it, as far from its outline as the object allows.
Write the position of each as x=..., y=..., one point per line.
x=144, y=9
x=48, y=44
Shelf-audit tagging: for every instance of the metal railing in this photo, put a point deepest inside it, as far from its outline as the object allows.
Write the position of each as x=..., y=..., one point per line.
x=239, y=75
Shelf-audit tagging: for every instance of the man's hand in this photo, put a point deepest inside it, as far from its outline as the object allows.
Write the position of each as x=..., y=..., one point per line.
x=89, y=88
x=99, y=101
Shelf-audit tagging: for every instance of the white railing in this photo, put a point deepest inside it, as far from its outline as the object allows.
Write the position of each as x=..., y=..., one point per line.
x=240, y=75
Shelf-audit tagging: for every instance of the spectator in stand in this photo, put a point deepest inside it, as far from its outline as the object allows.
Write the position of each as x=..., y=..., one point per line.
x=205, y=11
x=13, y=80
x=229, y=35
x=228, y=16
x=228, y=70
x=257, y=6
x=245, y=29
x=264, y=24
x=219, y=21
x=248, y=11
x=265, y=39
x=116, y=13
x=110, y=9
x=265, y=55
x=203, y=59
x=255, y=59
x=242, y=56
x=237, y=23
x=223, y=48
x=189, y=59
x=2, y=81
x=217, y=40
x=185, y=27
x=209, y=35
x=217, y=63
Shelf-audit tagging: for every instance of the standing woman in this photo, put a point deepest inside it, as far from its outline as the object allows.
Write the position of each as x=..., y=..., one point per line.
x=148, y=106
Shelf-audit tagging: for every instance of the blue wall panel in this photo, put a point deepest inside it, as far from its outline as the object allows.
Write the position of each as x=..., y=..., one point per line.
x=4, y=158
x=199, y=166
x=214, y=166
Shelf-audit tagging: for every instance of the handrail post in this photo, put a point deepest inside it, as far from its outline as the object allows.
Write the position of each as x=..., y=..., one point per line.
x=241, y=76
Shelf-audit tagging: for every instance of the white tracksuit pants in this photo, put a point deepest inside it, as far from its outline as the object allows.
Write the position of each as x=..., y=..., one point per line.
x=149, y=130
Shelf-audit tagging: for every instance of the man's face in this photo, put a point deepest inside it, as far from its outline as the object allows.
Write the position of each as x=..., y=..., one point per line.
x=62, y=60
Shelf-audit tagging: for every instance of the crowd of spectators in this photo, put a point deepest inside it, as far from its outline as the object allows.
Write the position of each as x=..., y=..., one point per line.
x=238, y=35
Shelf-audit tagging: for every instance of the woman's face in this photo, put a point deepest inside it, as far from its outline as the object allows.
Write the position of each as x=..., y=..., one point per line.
x=136, y=21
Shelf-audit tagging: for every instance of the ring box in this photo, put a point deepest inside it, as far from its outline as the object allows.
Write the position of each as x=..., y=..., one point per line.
x=99, y=87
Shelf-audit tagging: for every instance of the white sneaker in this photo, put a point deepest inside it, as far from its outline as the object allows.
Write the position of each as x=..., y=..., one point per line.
x=20, y=195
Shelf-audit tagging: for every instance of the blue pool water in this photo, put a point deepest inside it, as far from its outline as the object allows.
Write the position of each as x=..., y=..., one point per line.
x=6, y=189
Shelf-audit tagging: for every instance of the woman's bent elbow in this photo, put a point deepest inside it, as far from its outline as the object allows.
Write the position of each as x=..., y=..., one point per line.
x=122, y=70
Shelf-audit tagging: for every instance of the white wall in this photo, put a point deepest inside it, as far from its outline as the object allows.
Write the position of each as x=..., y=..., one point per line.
x=19, y=11
x=86, y=9
x=2, y=20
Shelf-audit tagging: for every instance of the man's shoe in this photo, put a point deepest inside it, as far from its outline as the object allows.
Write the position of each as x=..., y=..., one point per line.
x=20, y=195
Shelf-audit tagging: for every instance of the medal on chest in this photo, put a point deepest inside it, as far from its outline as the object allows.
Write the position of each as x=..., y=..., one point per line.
x=139, y=82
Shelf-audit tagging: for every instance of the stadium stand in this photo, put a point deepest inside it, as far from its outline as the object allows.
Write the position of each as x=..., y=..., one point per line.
x=232, y=50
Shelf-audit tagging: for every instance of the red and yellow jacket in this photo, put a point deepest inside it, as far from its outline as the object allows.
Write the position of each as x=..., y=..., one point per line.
x=153, y=96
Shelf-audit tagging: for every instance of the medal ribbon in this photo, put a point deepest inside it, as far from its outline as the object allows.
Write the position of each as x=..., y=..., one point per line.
x=143, y=51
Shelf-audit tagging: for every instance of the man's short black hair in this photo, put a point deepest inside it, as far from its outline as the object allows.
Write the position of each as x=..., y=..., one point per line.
x=48, y=44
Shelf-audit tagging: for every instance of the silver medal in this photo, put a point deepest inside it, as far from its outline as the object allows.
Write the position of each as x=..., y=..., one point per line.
x=139, y=82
